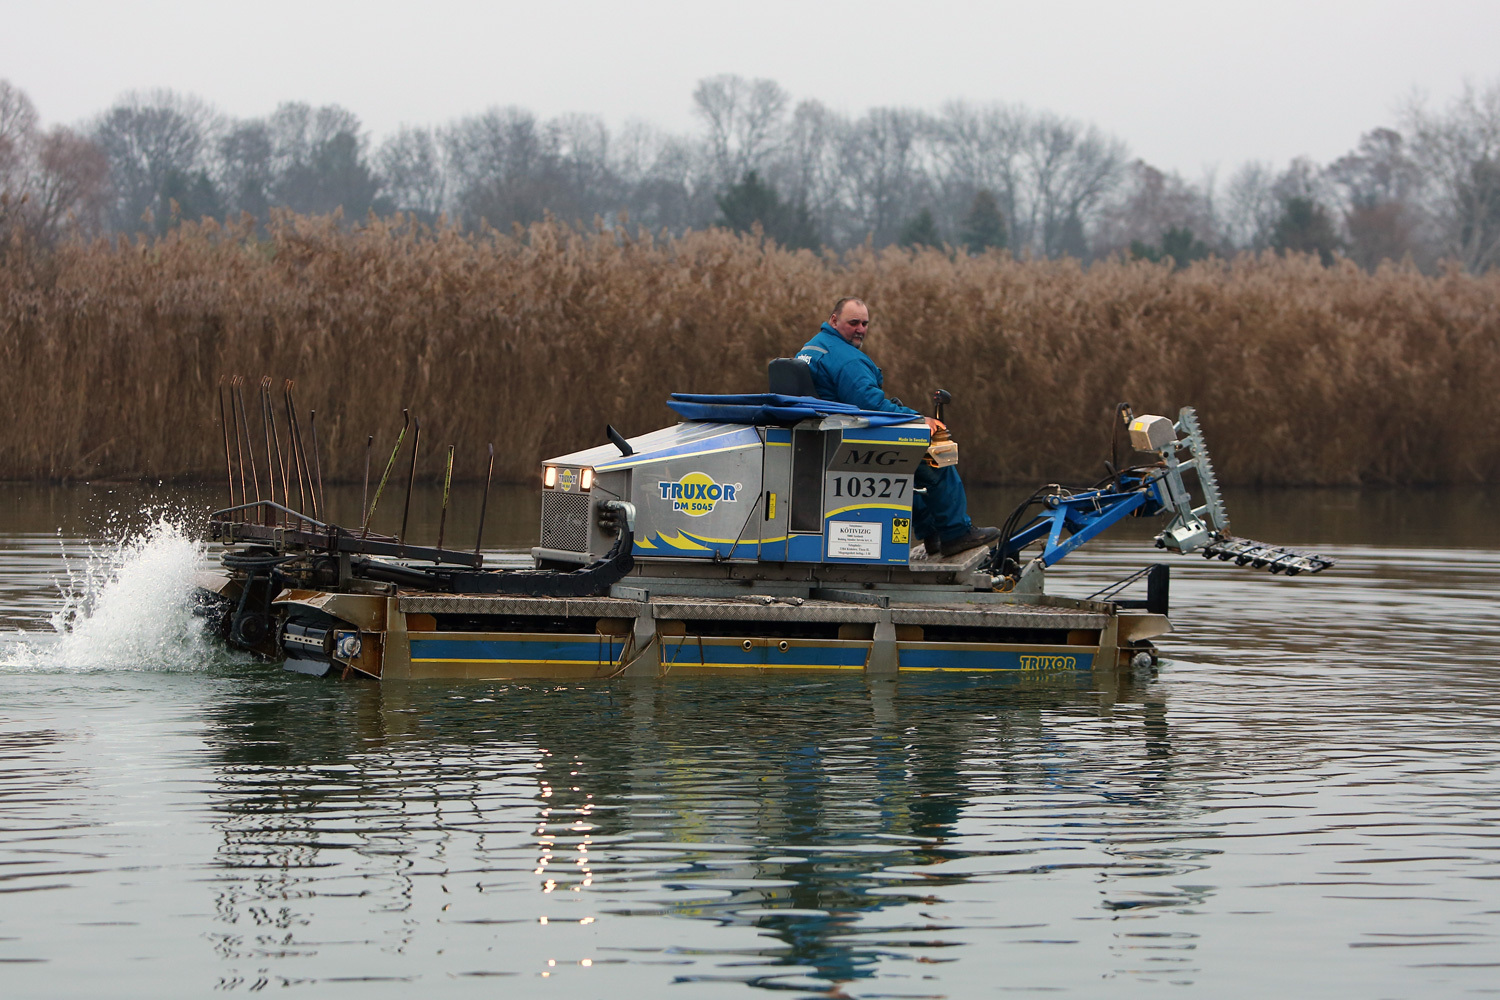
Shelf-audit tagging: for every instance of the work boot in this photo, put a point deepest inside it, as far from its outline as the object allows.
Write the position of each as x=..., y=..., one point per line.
x=972, y=538
x=934, y=545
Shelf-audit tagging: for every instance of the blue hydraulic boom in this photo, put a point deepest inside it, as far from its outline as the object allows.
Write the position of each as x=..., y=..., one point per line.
x=1070, y=518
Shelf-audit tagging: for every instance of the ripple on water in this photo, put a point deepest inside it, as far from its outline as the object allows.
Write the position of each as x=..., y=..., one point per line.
x=1304, y=799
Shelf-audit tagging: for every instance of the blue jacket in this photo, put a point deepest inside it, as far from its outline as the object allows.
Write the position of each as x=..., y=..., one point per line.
x=844, y=373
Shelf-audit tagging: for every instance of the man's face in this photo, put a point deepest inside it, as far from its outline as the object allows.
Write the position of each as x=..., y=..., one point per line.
x=852, y=323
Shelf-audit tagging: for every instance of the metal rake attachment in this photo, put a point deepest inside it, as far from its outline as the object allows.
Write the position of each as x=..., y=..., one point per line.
x=1275, y=558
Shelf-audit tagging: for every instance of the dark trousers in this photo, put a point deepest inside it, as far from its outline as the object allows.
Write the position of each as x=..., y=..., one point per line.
x=944, y=509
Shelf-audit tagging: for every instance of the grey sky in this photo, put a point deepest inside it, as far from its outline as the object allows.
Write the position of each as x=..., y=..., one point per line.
x=1188, y=85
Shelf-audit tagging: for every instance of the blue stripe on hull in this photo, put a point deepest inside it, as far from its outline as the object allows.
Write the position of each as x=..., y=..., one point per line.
x=563, y=649
x=730, y=654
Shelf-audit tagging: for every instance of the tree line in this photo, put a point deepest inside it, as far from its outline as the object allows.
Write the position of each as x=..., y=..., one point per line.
x=1425, y=188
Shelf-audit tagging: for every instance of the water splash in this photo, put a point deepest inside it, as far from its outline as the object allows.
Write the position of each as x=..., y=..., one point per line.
x=126, y=606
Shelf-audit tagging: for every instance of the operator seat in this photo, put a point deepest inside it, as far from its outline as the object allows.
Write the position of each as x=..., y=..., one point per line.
x=790, y=377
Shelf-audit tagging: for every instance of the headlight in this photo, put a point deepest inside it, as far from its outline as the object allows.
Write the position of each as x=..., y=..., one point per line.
x=549, y=476
x=586, y=478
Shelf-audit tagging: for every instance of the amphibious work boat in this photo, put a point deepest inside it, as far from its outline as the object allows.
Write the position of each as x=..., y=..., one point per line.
x=761, y=533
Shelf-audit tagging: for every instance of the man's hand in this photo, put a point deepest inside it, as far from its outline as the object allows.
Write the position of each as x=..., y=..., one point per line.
x=934, y=425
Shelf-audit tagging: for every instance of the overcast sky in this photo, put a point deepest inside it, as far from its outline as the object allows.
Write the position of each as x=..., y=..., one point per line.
x=1188, y=85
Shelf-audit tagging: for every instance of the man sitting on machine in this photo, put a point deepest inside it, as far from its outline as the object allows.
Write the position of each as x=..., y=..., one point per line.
x=842, y=371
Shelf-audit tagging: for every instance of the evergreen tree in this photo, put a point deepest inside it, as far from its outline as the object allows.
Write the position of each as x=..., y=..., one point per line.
x=334, y=175
x=1064, y=237
x=752, y=200
x=984, y=226
x=1177, y=243
x=194, y=194
x=1305, y=227
x=920, y=231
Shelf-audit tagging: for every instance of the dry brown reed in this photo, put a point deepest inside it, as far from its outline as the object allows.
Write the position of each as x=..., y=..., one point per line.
x=110, y=355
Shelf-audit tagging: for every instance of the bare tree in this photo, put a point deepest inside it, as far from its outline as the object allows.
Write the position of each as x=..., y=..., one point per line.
x=1458, y=150
x=580, y=147
x=1378, y=169
x=1380, y=183
x=1250, y=207
x=50, y=182
x=636, y=149
x=18, y=129
x=1303, y=178
x=299, y=131
x=1150, y=204
x=1071, y=168
x=744, y=119
x=809, y=169
x=411, y=165
x=154, y=142
x=884, y=176
x=978, y=148
x=496, y=156
x=71, y=180
x=662, y=178
x=1046, y=184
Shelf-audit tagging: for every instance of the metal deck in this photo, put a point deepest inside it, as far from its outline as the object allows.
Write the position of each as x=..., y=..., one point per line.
x=979, y=613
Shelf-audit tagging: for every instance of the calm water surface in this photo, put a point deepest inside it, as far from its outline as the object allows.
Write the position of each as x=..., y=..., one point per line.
x=1303, y=800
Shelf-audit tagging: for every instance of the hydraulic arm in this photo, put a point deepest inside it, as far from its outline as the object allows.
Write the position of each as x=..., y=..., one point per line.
x=1069, y=518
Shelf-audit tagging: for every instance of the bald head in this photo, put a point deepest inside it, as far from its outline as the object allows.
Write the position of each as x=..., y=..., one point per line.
x=851, y=318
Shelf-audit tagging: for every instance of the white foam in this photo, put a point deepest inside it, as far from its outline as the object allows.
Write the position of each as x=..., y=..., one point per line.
x=128, y=606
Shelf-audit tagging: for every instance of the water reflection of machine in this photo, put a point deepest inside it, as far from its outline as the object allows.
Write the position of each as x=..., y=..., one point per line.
x=828, y=817
x=761, y=533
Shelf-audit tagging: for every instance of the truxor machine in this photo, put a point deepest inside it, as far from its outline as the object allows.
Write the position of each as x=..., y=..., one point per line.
x=763, y=532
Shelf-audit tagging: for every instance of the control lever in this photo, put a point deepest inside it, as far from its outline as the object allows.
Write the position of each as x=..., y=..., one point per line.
x=940, y=398
x=943, y=450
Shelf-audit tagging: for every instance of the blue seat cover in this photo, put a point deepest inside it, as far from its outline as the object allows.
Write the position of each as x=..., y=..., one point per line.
x=770, y=408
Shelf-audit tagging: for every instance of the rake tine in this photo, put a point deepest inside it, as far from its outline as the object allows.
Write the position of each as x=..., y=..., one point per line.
x=322, y=498
x=447, y=483
x=405, y=423
x=242, y=422
x=224, y=426
x=485, y=500
x=411, y=476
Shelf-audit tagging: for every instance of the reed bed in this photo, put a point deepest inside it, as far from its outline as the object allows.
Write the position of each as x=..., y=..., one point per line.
x=111, y=354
